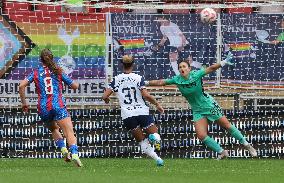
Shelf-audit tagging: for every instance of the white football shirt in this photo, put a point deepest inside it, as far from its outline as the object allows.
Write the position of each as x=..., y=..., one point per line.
x=172, y=32
x=128, y=89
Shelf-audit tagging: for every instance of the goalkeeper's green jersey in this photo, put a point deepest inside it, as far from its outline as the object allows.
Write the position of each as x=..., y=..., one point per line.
x=192, y=89
x=280, y=37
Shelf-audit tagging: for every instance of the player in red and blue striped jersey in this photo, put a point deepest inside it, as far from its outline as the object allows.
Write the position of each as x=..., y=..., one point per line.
x=48, y=78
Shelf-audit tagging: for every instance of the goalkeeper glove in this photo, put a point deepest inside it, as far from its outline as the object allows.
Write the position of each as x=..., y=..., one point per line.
x=228, y=60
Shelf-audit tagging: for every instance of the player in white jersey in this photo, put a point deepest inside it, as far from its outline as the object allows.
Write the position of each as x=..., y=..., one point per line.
x=131, y=92
x=179, y=45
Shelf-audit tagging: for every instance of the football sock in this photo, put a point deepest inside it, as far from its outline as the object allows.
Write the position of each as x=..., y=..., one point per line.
x=147, y=149
x=237, y=135
x=60, y=143
x=174, y=65
x=196, y=64
x=212, y=144
x=73, y=149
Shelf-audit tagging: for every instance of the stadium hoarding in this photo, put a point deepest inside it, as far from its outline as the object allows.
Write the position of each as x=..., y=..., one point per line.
x=258, y=62
x=88, y=93
x=140, y=34
x=78, y=45
x=101, y=134
x=14, y=45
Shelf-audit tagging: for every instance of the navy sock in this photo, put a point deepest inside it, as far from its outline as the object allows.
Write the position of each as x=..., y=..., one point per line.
x=60, y=143
x=74, y=149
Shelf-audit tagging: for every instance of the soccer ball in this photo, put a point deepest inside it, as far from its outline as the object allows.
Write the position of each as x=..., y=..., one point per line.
x=154, y=138
x=208, y=15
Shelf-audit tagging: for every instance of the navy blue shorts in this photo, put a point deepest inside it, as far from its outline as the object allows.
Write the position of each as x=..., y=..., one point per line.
x=54, y=114
x=142, y=121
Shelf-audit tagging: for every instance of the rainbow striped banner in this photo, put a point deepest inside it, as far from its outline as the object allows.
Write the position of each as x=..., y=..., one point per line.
x=133, y=43
x=76, y=41
x=242, y=50
x=240, y=46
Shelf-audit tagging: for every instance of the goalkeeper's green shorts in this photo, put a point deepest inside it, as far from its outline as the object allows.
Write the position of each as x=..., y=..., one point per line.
x=212, y=114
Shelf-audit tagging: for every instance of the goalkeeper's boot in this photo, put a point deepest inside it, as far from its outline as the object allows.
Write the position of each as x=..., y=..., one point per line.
x=66, y=155
x=77, y=160
x=223, y=155
x=251, y=150
x=160, y=162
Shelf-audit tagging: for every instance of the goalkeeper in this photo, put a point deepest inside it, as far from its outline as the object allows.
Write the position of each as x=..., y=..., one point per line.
x=204, y=107
x=279, y=39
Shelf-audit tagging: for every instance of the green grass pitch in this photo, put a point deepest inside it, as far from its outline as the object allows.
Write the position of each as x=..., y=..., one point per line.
x=142, y=171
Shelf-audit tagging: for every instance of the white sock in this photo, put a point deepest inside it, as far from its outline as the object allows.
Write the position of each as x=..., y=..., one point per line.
x=147, y=149
x=174, y=65
x=245, y=143
x=196, y=64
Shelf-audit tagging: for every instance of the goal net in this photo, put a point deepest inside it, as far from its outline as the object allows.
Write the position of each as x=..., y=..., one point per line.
x=88, y=38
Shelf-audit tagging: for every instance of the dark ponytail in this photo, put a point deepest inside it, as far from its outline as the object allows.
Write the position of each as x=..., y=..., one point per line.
x=47, y=58
x=185, y=61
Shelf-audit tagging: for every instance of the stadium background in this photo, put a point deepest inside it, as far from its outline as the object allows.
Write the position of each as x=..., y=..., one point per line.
x=84, y=43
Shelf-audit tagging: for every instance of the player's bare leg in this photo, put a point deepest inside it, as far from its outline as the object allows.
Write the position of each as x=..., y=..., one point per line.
x=154, y=137
x=67, y=128
x=145, y=146
x=56, y=135
x=201, y=128
x=223, y=122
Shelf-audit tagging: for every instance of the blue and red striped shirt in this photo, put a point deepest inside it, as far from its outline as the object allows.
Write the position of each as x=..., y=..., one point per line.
x=49, y=87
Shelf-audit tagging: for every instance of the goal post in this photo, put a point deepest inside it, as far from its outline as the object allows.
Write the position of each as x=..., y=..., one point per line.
x=88, y=45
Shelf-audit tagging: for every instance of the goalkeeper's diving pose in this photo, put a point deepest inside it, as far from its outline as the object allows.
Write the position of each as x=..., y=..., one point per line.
x=203, y=105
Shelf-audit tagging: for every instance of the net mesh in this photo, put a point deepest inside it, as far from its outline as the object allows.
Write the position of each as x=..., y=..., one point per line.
x=87, y=42
x=159, y=4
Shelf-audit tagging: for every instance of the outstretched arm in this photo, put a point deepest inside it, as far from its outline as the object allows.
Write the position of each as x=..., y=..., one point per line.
x=152, y=100
x=163, y=40
x=106, y=95
x=278, y=40
x=74, y=85
x=161, y=43
x=160, y=82
x=214, y=67
x=22, y=88
x=275, y=42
